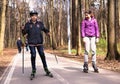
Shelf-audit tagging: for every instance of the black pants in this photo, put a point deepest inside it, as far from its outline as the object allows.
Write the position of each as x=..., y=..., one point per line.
x=33, y=56
x=19, y=49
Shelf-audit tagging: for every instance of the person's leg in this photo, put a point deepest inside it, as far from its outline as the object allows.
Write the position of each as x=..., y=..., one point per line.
x=19, y=49
x=27, y=47
x=87, y=49
x=42, y=55
x=93, y=48
x=33, y=58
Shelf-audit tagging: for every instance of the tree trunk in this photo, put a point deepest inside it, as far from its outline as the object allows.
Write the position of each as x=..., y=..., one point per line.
x=119, y=17
x=111, y=48
x=86, y=4
x=2, y=32
x=52, y=30
x=117, y=56
x=59, y=25
x=74, y=32
x=79, y=19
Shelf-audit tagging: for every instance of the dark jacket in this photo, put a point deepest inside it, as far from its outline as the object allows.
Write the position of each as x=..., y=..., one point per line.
x=19, y=43
x=34, y=32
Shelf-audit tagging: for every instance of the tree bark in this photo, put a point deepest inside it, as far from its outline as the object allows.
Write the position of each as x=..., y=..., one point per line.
x=111, y=47
x=79, y=19
x=2, y=32
x=86, y=4
x=51, y=21
x=117, y=56
x=59, y=43
x=74, y=32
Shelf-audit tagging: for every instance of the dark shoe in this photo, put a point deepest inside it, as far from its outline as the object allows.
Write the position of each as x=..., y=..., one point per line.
x=95, y=67
x=48, y=73
x=85, y=70
x=34, y=71
x=32, y=74
x=96, y=71
x=85, y=66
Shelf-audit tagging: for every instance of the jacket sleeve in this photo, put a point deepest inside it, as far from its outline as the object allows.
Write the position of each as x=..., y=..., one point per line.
x=97, y=29
x=83, y=29
x=25, y=29
x=44, y=29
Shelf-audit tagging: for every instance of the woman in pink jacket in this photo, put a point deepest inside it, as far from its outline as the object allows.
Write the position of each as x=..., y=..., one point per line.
x=90, y=35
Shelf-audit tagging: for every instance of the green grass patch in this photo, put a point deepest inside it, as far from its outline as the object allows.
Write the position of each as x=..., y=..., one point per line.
x=118, y=47
x=66, y=50
x=101, y=48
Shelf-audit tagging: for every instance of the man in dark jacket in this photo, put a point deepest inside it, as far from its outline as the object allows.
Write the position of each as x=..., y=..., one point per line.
x=19, y=44
x=33, y=29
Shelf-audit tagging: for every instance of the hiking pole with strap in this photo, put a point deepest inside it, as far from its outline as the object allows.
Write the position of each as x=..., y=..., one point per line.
x=23, y=60
x=23, y=55
x=53, y=48
x=23, y=42
x=54, y=54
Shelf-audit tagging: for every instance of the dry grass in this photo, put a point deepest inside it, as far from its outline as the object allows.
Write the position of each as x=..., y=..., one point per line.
x=6, y=58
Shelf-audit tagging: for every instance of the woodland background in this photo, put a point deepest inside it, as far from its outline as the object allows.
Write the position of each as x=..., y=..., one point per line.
x=58, y=16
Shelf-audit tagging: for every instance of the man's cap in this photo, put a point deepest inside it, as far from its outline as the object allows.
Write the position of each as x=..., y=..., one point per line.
x=33, y=13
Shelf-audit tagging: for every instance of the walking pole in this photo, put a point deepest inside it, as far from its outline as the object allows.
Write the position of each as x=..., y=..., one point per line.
x=23, y=43
x=55, y=55
x=23, y=57
x=23, y=60
x=53, y=48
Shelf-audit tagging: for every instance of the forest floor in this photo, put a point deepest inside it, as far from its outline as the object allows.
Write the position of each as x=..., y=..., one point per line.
x=6, y=58
x=8, y=55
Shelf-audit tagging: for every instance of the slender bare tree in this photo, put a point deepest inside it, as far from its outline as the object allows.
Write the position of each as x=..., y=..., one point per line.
x=2, y=31
x=79, y=19
x=111, y=47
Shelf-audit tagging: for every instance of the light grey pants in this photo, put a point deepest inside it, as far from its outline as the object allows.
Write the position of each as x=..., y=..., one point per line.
x=90, y=44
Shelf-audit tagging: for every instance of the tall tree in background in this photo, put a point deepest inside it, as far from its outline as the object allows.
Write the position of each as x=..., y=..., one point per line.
x=111, y=47
x=119, y=17
x=86, y=4
x=117, y=5
x=16, y=13
x=2, y=26
x=51, y=21
x=78, y=20
x=59, y=41
x=74, y=31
